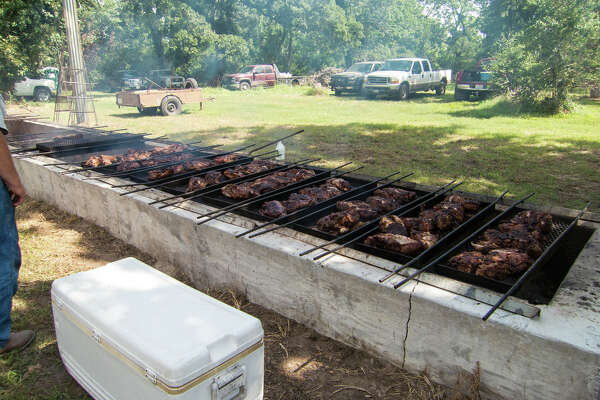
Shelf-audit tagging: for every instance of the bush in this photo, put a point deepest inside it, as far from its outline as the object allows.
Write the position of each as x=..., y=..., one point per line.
x=317, y=90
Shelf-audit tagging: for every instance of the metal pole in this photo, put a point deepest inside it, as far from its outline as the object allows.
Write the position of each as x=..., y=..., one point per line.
x=76, y=63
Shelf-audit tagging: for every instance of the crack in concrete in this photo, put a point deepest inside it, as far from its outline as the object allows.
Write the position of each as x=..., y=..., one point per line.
x=407, y=323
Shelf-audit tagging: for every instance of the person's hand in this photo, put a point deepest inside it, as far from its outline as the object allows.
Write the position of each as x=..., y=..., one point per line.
x=17, y=193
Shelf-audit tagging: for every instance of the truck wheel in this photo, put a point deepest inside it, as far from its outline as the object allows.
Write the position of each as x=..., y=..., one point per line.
x=441, y=90
x=459, y=95
x=370, y=95
x=191, y=83
x=403, y=91
x=244, y=85
x=41, y=94
x=337, y=92
x=170, y=105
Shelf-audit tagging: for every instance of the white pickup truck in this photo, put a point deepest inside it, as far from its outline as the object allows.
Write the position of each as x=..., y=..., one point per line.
x=401, y=76
x=40, y=89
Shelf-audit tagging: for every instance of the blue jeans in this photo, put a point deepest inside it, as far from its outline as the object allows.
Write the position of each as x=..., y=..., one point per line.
x=10, y=261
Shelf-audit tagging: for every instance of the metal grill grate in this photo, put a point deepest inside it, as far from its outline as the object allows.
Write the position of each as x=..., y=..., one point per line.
x=87, y=140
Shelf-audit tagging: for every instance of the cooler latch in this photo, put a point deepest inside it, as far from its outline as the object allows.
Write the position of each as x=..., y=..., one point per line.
x=150, y=375
x=231, y=385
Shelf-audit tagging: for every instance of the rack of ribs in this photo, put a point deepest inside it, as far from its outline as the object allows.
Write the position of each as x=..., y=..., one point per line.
x=305, y=197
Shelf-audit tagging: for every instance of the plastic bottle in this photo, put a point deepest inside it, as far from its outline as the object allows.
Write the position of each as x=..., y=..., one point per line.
x=281, y=149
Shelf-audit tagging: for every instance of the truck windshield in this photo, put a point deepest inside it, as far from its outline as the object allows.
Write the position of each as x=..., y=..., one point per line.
x=246, y=70
x=396, y=65
x=364, y=68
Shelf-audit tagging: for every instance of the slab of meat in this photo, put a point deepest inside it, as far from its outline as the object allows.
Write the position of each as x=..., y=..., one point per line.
x=208, y=179
x=274, y=181
x=226, y=158
x=393, y=224
x=197, y=165
x=166, y=172
x=383, y=205
x=339, y=222
x=398, y=243
x=494, y=239
x=365, y=211
x=427, y=239
x=467, y=261
x=339, y=183
x=401, y=195
x=101, y=161
x=273, y=209
x=535, y=220
x=172, y=148
x=297, y=201
x=469, y=204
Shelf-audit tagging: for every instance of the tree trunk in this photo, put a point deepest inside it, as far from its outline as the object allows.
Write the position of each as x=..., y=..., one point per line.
x=595, y=92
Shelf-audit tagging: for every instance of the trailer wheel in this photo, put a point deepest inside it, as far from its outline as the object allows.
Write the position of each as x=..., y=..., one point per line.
x=191, y=83
x=170, y=105
x=41, y=94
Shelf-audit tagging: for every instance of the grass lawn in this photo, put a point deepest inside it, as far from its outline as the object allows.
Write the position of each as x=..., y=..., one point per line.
x=486, y=144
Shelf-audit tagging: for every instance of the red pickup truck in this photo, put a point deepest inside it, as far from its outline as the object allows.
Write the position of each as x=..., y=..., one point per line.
x=252, y=76
x=474, y=83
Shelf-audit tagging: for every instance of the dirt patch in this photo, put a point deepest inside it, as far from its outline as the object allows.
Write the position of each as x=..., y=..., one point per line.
x=299, y=363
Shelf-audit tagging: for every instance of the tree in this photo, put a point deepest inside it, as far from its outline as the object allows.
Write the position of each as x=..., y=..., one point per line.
x=541, y=62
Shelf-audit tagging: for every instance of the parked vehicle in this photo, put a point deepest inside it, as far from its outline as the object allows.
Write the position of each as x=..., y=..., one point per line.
x=167, y=101
x=401, y=76
x=41, y=89
x=252, y=76
x=165, y=78
x=474, y=83
x=352, y=79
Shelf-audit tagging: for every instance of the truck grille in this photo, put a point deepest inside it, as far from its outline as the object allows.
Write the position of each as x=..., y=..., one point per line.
x=377, y=80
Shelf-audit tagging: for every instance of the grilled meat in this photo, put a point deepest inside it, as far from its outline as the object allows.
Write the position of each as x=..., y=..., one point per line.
x=227, y=158
x=468, y=204
x=273, y=209
x=383, y=205
x=340, y=184
x=399, y=243
x=494, y=239
x=267, y=183
x=197, y=164
x=467, y=261
x=101, y=161
x=166, y=172
x=297, y=201
x=172, y=148
x=339, y=222
x=393, y=224
x=400, y=195
x=427, y=239
x=365, y=211
x=136, y=155
x=535, y=220
x=497, y=264
x=248, y=169
x=208, y=179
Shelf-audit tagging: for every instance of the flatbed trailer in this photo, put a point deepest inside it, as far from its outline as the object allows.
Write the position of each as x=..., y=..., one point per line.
x=168, y=101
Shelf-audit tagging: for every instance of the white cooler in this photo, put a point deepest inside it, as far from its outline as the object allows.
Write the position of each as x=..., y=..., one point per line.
x=126, y=331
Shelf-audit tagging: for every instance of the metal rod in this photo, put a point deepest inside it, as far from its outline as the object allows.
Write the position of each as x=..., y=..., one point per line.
x=443, y=240
x=376, y=227
x=277, y=220
x=273, y=193
x=410, y=204
x=361, y=193
x=178, y=177
x=277, y=140
x=218, y=186
x=538, y=262
x=469, y=238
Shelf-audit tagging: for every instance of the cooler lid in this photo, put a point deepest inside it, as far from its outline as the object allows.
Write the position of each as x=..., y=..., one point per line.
x=157, y=322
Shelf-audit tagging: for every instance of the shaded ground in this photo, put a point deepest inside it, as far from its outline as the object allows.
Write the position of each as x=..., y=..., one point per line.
x=300, y=364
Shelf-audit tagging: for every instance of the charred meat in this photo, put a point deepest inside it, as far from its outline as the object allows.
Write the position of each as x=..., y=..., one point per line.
x=339, y=222
x=394, y=242
x=274, y=181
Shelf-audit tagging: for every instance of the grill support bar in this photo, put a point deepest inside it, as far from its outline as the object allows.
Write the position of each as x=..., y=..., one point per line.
x=538, y=262
x=462, y=242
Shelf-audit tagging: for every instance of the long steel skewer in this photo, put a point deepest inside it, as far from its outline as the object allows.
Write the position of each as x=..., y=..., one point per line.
x=268, y=195
x=376, y=227
x=299, y=211
x=532, y=268
x=444, y=239
x=462, y=242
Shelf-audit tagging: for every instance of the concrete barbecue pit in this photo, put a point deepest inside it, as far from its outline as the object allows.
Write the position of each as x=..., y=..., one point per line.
x=432, y=324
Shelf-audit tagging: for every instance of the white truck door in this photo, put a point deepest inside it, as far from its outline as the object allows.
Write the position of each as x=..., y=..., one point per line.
x=428, y=74
x=416, y=76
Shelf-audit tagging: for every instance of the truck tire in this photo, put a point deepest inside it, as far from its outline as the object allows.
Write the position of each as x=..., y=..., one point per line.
x=337, y=92
x=460, y=95
x=190, y=83
x=441, y=90
x=370, y=95
x=244, y=85
x=403, y=93
x=170, y=105
x=41, y=94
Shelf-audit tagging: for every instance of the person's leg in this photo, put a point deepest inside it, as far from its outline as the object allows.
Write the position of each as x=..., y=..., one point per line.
x=10, y=261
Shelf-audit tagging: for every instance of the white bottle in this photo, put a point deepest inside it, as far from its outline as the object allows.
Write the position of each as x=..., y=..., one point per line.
x=281, y=149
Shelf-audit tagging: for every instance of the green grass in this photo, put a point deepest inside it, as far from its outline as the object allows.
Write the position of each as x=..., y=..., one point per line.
x=486, y=144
